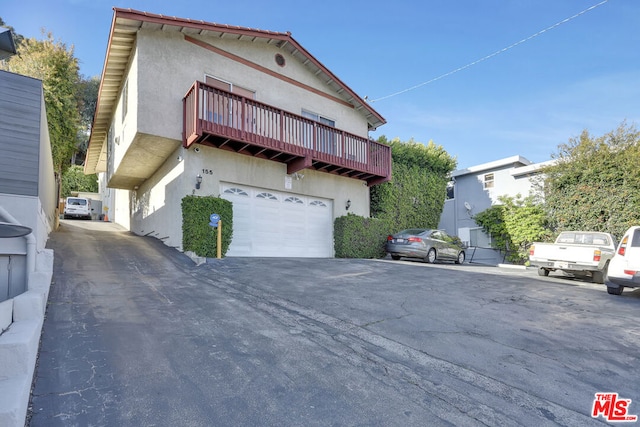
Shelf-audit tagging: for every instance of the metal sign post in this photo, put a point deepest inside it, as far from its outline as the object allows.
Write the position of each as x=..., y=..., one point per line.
x=219, y=245
x=216, y=222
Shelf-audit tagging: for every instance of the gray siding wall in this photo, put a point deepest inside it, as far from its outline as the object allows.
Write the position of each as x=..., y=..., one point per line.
x=20, y=110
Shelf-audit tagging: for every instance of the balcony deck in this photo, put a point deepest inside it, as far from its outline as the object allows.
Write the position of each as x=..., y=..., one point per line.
x=228, y=121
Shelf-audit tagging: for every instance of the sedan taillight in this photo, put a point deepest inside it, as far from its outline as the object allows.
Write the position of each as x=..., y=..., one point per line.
x=597, y=255
x=414, y=239
x=389, y=238
x=630, y=272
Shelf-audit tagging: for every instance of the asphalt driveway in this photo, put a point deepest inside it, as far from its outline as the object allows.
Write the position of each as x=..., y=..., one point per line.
x=137, y=335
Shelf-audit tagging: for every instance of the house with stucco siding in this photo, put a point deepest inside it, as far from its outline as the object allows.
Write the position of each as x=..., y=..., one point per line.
x=187, y=107
x=475, y=189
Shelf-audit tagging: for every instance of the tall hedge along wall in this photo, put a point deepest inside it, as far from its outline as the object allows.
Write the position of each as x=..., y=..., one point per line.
x=359, y=237
x=414, y=198
x=197, y=235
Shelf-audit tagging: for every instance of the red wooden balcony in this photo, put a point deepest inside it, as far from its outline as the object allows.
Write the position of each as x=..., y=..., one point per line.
x=228, y=121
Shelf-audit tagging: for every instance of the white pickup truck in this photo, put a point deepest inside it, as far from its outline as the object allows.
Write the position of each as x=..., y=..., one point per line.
x=579, y=253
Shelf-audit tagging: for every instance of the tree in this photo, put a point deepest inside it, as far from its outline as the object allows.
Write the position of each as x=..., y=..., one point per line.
x=88, y=94
x=514, y=225
x=594, y=185
x=415, y=195
x=74, y=179
x=54, y=64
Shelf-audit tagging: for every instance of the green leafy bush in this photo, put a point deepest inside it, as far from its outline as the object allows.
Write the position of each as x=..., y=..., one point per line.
x=514, y=225
x=197, y=235
x=359, y=237
x=594, y=183
x=74, y=179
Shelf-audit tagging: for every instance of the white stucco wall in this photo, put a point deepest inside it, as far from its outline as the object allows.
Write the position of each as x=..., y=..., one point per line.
x=173, y=65
x=124, y=128
x=163, y=67
x=156, y=205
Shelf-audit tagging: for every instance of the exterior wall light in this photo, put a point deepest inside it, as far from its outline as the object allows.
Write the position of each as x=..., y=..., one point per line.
x=347, y=205
x=198, y=181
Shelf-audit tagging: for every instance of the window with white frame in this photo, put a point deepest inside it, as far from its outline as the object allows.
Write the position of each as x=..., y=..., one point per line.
x=325, y=138
x=488, y=180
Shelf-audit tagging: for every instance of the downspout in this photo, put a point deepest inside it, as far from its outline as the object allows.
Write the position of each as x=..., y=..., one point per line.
x=31, y=244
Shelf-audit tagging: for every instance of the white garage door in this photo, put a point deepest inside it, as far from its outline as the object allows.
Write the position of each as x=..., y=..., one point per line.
x=268, y=223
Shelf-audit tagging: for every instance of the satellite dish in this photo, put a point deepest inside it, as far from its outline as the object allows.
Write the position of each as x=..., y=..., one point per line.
x=467, y=206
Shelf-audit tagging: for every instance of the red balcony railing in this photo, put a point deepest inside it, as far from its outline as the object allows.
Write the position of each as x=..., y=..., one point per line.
x=229, y=121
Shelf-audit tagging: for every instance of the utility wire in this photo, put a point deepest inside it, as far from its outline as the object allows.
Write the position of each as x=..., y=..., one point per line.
x=564, y=21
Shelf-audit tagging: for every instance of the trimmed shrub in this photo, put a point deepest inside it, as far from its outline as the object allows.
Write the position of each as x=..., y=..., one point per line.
x=359, y=237
x=197, y=235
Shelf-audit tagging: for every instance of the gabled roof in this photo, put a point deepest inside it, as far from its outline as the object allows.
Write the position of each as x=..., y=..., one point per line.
x=127, y=22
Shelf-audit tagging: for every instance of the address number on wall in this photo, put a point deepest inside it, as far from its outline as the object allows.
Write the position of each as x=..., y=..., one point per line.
x=207, y=172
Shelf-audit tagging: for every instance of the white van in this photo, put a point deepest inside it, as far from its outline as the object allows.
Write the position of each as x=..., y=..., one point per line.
x=77, y=207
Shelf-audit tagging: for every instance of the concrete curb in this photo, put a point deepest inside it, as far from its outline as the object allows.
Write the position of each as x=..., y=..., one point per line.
x=513, y=266
x=20, y=342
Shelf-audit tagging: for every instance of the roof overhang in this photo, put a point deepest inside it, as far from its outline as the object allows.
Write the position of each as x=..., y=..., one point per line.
x=124, y=28
x=514, y=161
x=7, y=45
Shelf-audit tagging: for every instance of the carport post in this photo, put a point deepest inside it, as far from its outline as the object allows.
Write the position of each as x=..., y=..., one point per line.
x=219, y=245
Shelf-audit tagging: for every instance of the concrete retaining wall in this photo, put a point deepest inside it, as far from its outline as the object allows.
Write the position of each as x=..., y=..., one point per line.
x=21, y=319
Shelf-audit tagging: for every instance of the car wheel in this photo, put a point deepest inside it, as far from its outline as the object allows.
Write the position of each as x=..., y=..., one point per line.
x=543, y=272
x=431, y=256
x=460, y=259
x=395, y=257
x=615, y=291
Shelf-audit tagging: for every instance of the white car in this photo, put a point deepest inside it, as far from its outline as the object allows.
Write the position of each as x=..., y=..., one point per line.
x=624, y=267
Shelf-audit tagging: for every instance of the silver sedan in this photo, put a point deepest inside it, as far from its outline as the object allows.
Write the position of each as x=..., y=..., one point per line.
x=428, y=245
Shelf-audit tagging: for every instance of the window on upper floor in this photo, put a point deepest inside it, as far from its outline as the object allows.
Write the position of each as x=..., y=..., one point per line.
x=229, y=87
x=488, y=180
x=325, y=139
x=451, y=187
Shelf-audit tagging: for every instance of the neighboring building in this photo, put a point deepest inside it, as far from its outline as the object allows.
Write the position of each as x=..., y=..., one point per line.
x=28, y=189
x=189, y=107
x=477, y=188
x=28, y=202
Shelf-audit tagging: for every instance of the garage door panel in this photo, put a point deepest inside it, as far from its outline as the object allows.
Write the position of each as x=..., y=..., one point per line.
x=268, y=223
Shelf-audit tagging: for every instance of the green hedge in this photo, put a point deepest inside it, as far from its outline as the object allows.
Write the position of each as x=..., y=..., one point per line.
x=359, y=237
x=197, y=235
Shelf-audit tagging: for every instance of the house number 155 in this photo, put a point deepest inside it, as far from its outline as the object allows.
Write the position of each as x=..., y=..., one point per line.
x=207, y=172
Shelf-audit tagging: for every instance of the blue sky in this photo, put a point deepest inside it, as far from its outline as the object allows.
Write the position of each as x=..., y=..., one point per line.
x=583, y=74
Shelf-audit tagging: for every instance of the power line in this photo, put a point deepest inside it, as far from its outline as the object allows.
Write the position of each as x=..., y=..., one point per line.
x=498, y=52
